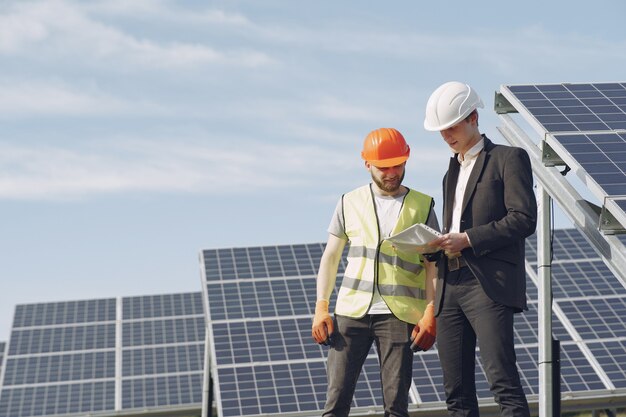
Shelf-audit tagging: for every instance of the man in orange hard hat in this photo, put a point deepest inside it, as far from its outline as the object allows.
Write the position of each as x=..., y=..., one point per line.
x=386, y=295
x=489, y=208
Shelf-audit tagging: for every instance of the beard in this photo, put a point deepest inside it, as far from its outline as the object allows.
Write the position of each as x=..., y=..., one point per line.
x=389, y=186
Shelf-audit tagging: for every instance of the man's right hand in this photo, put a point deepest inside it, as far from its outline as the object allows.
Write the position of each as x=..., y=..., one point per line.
x=425, y=331
x=322, y=323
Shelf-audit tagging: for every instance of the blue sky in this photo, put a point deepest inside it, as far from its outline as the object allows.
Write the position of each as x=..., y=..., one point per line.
x=136, y=133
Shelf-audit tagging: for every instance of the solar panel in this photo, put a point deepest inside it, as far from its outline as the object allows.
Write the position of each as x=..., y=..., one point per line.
x=265, y=361
x=575, y=107
x=260, y=331
x=3, y=346
x=585, y=124
x=612, y=357
x=105, y=355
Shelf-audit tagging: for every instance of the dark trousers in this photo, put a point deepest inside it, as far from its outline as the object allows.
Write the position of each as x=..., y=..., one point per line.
x=468, y=313
x=351, y=344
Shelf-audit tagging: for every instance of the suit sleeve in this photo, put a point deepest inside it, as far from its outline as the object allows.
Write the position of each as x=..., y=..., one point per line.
x=520, y=207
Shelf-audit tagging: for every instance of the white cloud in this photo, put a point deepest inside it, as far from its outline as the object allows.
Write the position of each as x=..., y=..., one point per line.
x=170, y=11
x=63, y=29
x=17, y=30
x=37, y=97
x=51, y=173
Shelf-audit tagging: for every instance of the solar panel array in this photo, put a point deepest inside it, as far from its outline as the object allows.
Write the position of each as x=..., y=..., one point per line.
x=2, y=347
x=146, y=353
x=104, y=355
x=260, y=303
x=575, y=107
x=586, y=125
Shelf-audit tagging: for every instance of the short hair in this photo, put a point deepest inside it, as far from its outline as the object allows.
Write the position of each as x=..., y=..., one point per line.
x=470, y=115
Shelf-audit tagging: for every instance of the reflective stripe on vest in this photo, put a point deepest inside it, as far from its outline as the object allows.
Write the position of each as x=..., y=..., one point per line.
x=399, y=276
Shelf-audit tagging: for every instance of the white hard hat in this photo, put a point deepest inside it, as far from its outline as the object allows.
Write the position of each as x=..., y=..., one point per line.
x=449, y=104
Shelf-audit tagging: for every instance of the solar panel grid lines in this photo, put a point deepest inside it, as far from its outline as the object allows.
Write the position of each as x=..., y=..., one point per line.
x=579, y=272
x=600, y=156
x=166, y=359
x=264, y=319
x=64, y=369
x=527, y=324
x=262, y=261
x=597, y=319
x=585, y=124
x=427, y=377
x=259, y=298
x=574, y=107
x=3, y=346
x=162, y=351
x=577, y=278
x=611, y=355
x=574, y=260
x=167, y=305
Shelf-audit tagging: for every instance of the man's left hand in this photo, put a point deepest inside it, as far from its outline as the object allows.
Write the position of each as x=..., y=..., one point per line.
x=452, y=242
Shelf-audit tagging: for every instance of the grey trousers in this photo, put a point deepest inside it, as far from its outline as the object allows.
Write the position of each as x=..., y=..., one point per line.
x=351, y=343
x=468, y=313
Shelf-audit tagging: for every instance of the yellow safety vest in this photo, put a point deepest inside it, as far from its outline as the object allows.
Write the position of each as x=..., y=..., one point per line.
x=399, y=275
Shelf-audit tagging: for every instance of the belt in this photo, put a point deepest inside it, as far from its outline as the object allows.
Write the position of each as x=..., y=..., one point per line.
x=457, y=263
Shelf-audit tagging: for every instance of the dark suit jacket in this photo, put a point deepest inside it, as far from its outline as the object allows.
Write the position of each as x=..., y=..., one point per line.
x=499, y=212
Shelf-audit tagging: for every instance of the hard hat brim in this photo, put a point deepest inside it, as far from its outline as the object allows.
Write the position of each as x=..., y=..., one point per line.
x=391, y=162
x=451, y=123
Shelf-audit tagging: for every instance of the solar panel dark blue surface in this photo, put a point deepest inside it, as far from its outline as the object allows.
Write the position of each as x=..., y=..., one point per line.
x=612, y=357
x=287, y=388
x=597, y=318
x=264, y=341
x=575, y=107
x=255, y=298
x=63, y=357
x=64, y=313
x=271, y=317
x=262, y=262
x=585, y=124
x=162, y=392
x=265, y=318
x=602, y=156
x=527, y=326
x=3, y=346
x=66, y=399
x=162, y=351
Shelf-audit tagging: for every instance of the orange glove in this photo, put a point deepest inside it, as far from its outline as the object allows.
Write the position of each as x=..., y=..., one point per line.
x=425, y=331
x=322, y=323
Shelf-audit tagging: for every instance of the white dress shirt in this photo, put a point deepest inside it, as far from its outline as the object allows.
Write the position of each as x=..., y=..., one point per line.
x=467, y=164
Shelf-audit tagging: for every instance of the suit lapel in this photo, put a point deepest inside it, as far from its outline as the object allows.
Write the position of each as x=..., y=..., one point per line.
x=451, y=180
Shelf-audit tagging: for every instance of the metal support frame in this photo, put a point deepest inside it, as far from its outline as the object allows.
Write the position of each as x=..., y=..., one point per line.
x=549, y=157
x=580, y=211
x=502, y=105
x=544, y=273
x=608, y=223
x=614, y=221
x=207, y=383
x=585, y=216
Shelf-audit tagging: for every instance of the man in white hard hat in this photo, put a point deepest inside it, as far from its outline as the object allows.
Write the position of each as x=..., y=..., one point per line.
x=489, y=209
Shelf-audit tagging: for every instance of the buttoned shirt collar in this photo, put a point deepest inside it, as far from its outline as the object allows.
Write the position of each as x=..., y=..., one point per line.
x=472, y=152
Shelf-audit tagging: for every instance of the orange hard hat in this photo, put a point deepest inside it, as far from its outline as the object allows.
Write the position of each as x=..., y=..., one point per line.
x=385, y=147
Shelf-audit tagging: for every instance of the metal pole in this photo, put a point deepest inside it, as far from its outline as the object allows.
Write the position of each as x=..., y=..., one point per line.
x=556, y=377
x=207, y=383
x=544, y=307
